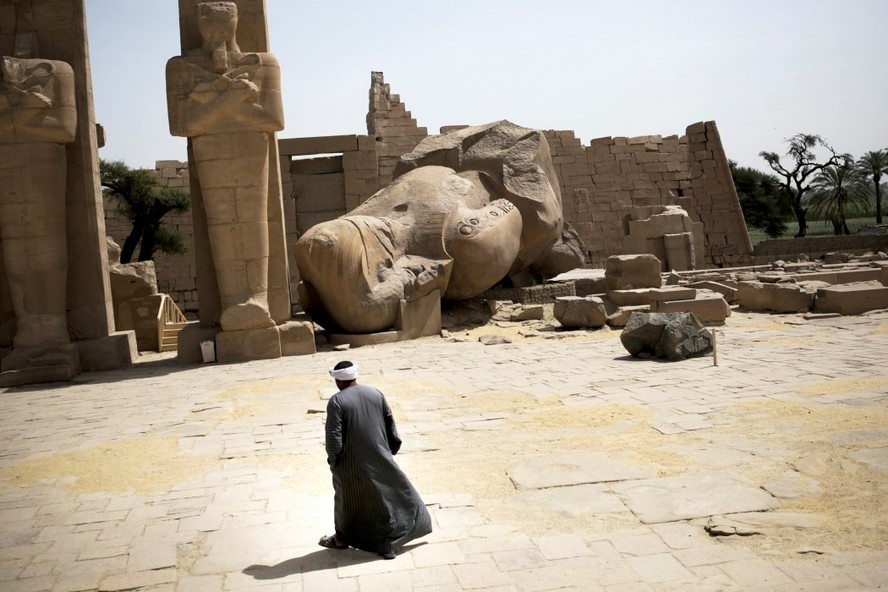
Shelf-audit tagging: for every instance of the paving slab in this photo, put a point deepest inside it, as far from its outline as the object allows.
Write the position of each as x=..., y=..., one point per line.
x=574, y=500
x=576, y=469
x=694, y=495
x=183, y=478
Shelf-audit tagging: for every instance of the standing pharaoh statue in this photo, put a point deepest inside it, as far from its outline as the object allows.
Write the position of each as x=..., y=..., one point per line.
x=37, y=118
x=229, y=104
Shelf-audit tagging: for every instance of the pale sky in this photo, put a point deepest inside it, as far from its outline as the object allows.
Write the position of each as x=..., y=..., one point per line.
x=762, y=69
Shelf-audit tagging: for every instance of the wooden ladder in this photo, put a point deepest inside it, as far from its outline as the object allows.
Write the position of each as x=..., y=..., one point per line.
x=170, y=321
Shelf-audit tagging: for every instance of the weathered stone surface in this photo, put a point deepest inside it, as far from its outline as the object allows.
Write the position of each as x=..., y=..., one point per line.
x=565, y=255
x=727, y=291
x=243, y=346
x=297, y=338
x=108, y=353
x=629, y=272
x=630, y=297
x=494, y=340
x=40, y=365
x=708, y=308
x=852, y=299
x=574, y=500
x=874, y=457
x=188, y=350
x=619, y=316
x=133, y=280
x=776, y=297
x=694, y=495
x=527, y=312
x=668, y=293
x=677, y=335
x=586, y=281
x=792, y=485
x=750, y=523
x=466, y=209
x=594, y=467
x=574, y=312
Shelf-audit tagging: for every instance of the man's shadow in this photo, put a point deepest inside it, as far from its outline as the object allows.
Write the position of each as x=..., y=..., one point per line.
x=317, y=561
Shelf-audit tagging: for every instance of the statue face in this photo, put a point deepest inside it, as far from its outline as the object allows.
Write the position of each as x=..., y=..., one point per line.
x=216, y=31
x=216, y=26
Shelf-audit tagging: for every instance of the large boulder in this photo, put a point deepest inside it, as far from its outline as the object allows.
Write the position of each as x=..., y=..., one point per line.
x=574, y=312
x=676, y=335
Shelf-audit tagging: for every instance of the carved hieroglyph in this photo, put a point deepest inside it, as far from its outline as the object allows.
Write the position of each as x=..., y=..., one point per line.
x=468, y=209
x=229, y=103
x=37, y=118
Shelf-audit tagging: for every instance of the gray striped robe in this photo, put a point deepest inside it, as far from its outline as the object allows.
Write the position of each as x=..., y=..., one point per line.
x=376, y=508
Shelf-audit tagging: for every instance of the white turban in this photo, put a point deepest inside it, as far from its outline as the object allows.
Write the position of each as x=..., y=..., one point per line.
x=345, y=374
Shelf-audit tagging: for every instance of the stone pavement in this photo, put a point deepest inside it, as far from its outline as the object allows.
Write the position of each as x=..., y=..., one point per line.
x=552, y=463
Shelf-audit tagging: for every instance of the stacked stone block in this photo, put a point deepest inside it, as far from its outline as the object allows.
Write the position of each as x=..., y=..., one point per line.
x=391, y=126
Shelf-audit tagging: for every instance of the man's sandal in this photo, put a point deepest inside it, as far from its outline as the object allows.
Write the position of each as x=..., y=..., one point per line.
x=330, y=542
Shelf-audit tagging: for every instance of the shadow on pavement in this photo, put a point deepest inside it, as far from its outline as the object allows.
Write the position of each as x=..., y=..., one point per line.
x=316, y=561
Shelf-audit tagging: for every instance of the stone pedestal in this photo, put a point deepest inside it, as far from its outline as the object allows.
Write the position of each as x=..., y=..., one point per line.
x=35, y=365
x=117, y=350
x=417, y=318
x=252, y=344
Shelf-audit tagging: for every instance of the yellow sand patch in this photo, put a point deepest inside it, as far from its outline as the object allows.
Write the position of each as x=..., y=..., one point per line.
x=851, y=496
x=844, y=386
x=139, y=465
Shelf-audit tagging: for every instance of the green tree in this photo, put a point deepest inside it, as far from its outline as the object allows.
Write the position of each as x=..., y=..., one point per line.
x=760, y=199
x=797, y=176
x=837, y=190
x=873, y=165
x=145, y=206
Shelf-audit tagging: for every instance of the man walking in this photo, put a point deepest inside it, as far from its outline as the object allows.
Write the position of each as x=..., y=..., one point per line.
x=376, y=508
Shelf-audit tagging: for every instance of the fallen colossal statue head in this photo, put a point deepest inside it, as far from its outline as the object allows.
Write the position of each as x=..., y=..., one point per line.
x=465, y=210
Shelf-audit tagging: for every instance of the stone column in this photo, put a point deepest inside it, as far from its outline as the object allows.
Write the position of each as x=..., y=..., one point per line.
x=56, y=283
x=224, y=96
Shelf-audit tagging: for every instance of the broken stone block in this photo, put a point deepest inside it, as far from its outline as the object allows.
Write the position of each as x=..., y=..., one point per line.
x=708, y=308
x=574, y=312
x=527, y=312
x=297, y=338
x=628, y=272
x=621, y=315
x=672, y=293
x=852, y=299
x=676, y=336
x=727, y=291
x=630, y=297
x=782, y=297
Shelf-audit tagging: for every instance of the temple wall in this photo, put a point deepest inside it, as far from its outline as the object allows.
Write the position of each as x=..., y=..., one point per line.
x=391, y=126
x=602, y=181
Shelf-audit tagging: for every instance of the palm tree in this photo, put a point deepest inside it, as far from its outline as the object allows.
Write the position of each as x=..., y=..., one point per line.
x=873, y=165
x=838, y=189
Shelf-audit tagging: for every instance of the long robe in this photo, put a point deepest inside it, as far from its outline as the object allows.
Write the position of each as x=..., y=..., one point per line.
x=376, y=508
